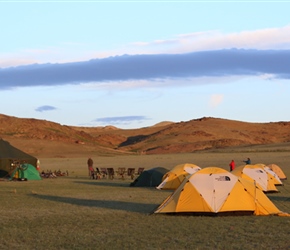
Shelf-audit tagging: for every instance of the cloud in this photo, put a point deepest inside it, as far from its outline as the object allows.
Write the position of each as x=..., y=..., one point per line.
x=117, y=120
x=216, y=100
x=218, y=63
x=45, y=108
x=271, y=38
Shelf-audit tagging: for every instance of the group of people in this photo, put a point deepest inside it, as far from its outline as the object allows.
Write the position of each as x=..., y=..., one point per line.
x=233, y=164
x=94, y=174
x=53, y=174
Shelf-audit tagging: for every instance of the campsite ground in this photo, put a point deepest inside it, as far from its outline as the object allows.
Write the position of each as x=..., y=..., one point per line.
x=75, y=212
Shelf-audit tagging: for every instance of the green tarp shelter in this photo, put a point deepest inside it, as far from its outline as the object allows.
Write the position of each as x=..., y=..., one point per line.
x=25, y=172
x=10, y=157
x=150, y=178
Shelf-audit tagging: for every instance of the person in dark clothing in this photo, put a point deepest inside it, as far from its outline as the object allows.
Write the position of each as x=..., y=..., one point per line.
x=90, y=163
x=248, y=161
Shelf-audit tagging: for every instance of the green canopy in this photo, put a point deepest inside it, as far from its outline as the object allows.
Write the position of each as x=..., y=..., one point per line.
x=25, y=172
x=150, y=178
x=10, y=157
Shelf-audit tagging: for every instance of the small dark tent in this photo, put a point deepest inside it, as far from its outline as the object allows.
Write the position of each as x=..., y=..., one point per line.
x=150, y=178
x=11, y=156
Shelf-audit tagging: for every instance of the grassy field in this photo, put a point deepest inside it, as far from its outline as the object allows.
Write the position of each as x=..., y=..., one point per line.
x=75, y=212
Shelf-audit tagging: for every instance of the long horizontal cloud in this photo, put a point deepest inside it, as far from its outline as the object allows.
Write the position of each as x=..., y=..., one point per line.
x=217, y=63
x=120, y=119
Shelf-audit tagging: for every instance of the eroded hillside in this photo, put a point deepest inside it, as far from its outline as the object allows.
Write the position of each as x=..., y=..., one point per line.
x=40, y=136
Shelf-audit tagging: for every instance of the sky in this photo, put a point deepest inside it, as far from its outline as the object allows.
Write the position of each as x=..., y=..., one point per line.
x=133, y=64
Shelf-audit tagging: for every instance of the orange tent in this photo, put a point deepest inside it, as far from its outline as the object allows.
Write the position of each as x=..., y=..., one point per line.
x=278, y=171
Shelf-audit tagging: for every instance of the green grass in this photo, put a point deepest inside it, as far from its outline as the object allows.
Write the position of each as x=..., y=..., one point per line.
x=78, y=213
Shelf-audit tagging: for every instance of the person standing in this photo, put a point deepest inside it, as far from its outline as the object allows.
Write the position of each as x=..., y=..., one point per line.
x=232, y=165
x=90, y=163
x=248, y=161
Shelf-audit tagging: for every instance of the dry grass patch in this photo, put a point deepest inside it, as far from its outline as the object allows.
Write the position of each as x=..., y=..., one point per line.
x=78, y=213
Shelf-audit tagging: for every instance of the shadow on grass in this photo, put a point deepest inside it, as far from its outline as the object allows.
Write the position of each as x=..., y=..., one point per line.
x=116, y=184
x=279, y=198
x=108, y=204
x=105, y=184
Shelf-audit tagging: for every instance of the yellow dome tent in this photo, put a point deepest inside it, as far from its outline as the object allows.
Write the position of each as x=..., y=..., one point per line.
x=278, y=171
x=172, y=179
x=256, y=173
x=213, y=191
x=273, y=175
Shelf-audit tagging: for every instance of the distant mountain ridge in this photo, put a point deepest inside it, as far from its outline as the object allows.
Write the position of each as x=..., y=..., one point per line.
x=162, y=138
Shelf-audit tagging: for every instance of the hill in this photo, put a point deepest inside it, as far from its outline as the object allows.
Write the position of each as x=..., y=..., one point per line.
x=48, y=139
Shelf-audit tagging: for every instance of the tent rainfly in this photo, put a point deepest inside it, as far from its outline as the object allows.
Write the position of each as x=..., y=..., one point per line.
x=278, y=171
x=172, y=179
x=264, y=180
x=215, y=191
x=25, y=172
x=11, y=156
x=149, y=178
x=273, y=175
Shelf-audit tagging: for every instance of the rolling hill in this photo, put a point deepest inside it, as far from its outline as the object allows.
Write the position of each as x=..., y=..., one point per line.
x=49, y=139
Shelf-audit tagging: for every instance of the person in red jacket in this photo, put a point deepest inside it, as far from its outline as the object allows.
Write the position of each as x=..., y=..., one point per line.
x=232, y=165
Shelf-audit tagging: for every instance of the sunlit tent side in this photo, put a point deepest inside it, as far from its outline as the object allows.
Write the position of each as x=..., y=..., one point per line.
x=215, y=191
x=149, y=178
x=255, y=172
x=173, y=178
x=278, y=171
x=10, y=155
x=275, y=178
x=25, y=172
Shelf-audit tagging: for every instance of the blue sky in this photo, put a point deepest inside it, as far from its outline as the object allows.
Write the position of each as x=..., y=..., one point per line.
x=133, y=64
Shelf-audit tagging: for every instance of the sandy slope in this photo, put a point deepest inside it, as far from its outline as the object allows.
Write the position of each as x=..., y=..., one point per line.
x=47, y=139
